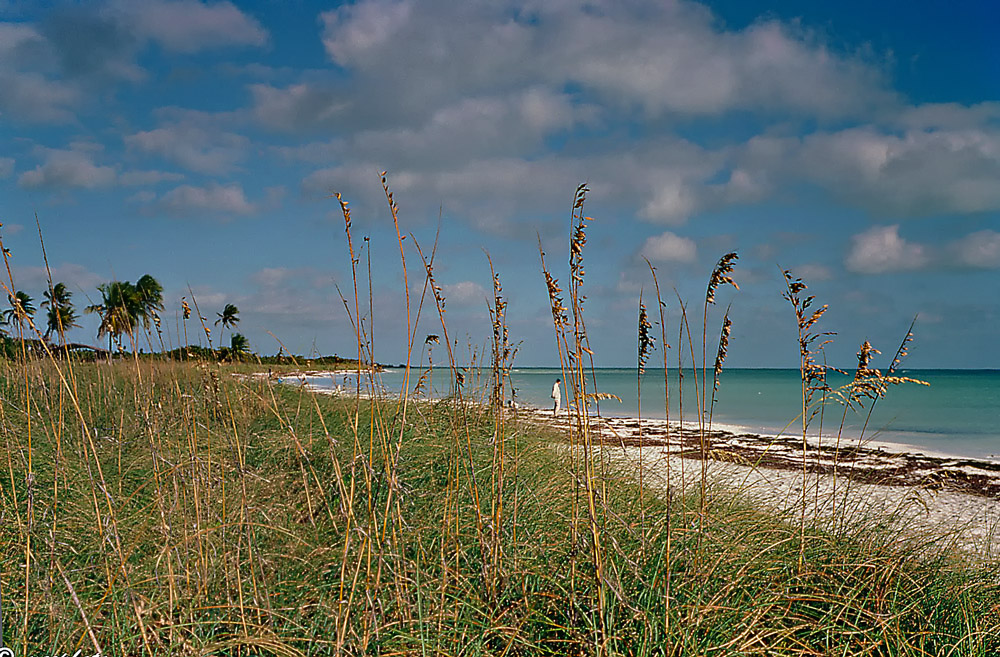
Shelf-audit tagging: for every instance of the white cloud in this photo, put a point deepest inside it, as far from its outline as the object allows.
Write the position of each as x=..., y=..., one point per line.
x=364, y=27
x=76, y=277
x=68, y=168
x=810, y=272
x=296, y=108
x=189, y=25
x=919, y=173
x=193, y=147
x=936, y=160
x=6, y=167
x=882, y=250
x=48, y=69
x=659, y=57
x=32, y=98
x=144, y=196
x=208, y=300
x=949, y=116
x=668, y=247
x=464, y=293
x=665, y=180
x=479, y=127
x=20, y=45
x=137, y=178
x=979, y=250
x=288, y=298
x=271, y=276
x=214, y=198
x=672, y=202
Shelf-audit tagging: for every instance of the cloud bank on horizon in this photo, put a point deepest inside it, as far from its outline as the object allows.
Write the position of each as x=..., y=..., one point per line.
x=200, y=142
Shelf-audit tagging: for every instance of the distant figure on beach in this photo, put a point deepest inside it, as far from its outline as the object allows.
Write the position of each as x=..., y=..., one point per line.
x=556, y=396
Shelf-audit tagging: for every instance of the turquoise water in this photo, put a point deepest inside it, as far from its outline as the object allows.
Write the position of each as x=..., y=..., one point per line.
x=959, y=413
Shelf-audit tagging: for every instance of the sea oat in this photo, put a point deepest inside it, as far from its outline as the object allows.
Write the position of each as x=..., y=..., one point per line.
x=647, y=341
x=721, y=276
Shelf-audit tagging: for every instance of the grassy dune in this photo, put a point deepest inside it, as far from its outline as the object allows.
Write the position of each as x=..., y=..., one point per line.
x=169, y=508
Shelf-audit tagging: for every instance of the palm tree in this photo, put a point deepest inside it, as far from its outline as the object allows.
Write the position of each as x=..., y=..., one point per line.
x=150, y=297
x=238, y=344
x=120, y=310
x=125, y=306
x=229, y=318
x=61, y=314
x=20, y=309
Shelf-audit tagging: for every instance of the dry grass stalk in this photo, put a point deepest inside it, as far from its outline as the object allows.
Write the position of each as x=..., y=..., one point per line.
x=720, y=359
x=812, y=374
x=721, y=275
x=645, y=343
x=661, y=306
x=501, y=362
x=580, y=405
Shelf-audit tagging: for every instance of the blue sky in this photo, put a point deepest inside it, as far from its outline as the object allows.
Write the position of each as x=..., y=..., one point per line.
x=855, y=143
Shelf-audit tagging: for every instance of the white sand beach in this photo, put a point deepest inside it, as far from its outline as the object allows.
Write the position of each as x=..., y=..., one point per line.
x=935, y=496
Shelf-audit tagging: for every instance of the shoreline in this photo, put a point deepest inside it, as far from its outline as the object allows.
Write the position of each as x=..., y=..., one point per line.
x=953, y=500
x=948, y=433
x=658, y=425
x=873, y=461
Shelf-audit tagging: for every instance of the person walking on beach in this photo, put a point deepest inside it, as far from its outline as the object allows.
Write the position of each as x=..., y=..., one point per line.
x=556, y=396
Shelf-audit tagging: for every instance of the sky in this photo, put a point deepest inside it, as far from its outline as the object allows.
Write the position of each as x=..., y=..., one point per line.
x=855, y=144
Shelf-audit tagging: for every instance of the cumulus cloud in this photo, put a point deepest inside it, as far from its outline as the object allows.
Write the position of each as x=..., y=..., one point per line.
x=192, y=147
x=287, y=299
x=362, y=28
x=511, y=195
x=668, y=247
x=935, y=160
x=138, y=178
x=474, y=102
x=487, y=127
x=213, y=198
x=486, y=192
x=673, y=200
x=68, y=168
x=296, y=108
x=48, y=69
x=881, y=250
x=980, y=250
x=89, y=46
x=813, y=272
x=75, y=276
x=271, y=276
x=144, y=196
x=189, y=25
x=661, y=58
x=949, y=116
x=16, y=39
x=919, y=173
x=464, y=293
x=32, y=98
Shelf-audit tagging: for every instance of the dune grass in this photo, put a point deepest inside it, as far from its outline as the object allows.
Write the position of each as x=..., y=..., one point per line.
x=200, y=513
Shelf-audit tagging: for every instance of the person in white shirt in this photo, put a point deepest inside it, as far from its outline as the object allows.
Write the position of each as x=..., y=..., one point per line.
x=556, y=396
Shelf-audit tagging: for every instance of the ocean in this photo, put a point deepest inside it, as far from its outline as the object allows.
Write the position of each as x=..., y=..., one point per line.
x=958, y=413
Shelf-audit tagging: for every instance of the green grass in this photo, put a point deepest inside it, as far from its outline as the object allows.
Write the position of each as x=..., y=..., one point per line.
x=230, y=516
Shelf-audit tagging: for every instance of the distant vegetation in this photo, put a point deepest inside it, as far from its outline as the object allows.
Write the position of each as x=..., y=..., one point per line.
x=130, y=320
